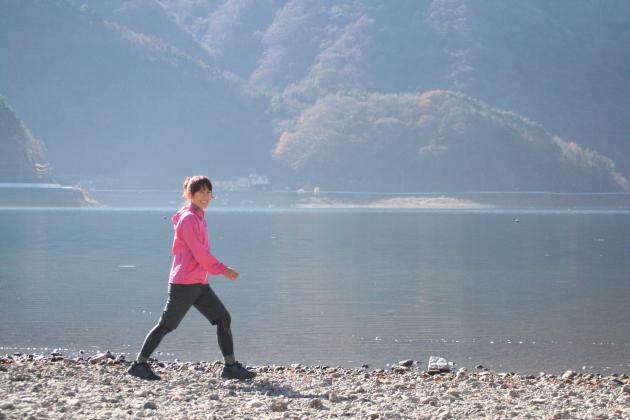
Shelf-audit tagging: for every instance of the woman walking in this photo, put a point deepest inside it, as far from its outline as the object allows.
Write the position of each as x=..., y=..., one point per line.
x=188, y=283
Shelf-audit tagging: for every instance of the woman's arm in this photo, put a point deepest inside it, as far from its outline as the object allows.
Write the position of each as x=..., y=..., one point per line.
x=186, y=231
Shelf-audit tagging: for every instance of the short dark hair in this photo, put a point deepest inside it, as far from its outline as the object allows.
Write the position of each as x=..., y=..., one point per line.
x=192, y=184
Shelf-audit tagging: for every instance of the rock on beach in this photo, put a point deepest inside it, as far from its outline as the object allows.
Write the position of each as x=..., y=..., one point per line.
x=58, y=387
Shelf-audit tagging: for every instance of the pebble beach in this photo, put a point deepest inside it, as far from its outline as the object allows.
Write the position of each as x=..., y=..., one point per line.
x=58, y=387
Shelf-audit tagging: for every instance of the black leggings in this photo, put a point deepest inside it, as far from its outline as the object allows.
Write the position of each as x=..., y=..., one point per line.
x=180, y=298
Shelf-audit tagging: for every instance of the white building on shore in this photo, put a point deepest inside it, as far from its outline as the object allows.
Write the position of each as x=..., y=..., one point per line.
x=257, y=181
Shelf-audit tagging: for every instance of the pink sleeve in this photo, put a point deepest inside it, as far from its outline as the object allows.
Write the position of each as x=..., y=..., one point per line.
x=186, y=231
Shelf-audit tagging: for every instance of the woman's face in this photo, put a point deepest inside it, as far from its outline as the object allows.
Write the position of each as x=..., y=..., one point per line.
x=202, y=198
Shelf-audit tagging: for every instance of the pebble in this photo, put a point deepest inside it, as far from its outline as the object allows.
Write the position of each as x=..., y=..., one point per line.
x=255, y=404
x=316, y=403
x=438, y=365
x=513, y=394
x=279, y=405
x=77, y=388
x=100, y=358
x=454, y=393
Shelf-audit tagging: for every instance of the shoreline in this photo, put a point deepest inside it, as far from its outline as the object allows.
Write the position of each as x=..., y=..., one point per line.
x=56, y=386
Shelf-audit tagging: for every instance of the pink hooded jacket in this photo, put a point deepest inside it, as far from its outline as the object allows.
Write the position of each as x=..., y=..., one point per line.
x=192, y=260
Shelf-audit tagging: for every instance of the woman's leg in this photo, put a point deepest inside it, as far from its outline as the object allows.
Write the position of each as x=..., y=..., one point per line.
x=209, y=304
x=180, y=298
x=224, y=337
x=212, y=308
x=152, y=341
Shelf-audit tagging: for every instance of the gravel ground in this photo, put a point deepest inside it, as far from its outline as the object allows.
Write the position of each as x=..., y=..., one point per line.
x=54, y=386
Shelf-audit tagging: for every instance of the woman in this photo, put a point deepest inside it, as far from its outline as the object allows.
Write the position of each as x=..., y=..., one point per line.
x=188, y=283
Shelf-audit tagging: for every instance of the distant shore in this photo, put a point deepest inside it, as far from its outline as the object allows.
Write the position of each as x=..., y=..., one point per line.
x=409, y=202
x=55, y=386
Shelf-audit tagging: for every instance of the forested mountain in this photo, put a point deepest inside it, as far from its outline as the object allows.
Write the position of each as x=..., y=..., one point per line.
x=439, y=140
x=432, y=95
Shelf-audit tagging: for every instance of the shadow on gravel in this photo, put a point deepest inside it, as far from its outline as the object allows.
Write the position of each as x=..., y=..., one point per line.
x=274, y=389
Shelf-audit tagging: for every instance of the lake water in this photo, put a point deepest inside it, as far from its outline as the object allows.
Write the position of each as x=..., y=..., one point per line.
x=338, y=287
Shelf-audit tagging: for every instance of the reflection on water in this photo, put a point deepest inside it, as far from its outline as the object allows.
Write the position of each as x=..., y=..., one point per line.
x=332, y=287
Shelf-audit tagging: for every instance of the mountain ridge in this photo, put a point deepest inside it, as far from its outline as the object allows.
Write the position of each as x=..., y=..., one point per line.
x=159, y=90
x=23, y=157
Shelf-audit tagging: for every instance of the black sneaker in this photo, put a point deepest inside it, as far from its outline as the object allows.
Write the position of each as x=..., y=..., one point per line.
x=142, y=371
x=237, y=371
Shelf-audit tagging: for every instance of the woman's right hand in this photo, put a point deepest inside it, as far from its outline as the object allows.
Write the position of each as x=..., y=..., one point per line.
x=231, y=274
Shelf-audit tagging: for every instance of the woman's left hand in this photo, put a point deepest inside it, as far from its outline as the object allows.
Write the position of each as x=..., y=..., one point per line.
x=231, y=274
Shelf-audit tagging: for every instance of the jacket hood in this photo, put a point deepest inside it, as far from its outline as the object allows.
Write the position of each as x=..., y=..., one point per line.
x=187, y=208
